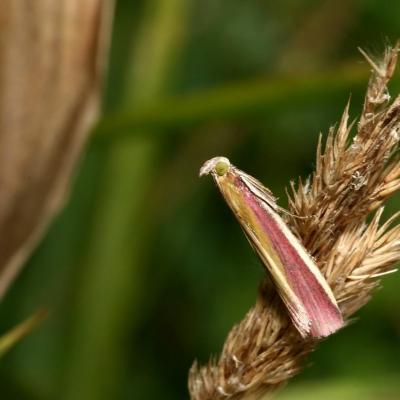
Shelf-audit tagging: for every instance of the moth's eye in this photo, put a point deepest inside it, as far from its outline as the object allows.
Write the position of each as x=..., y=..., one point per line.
x=221, y=168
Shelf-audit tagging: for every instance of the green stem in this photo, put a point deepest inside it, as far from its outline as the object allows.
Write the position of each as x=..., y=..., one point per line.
x=111, y=285
x=258, y=97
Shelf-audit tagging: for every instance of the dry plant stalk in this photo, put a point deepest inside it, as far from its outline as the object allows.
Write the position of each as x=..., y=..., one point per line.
x=299, y=282
x=353, y=177
x=52, y=56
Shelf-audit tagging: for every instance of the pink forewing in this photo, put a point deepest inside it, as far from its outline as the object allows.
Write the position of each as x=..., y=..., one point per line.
x=324, y=316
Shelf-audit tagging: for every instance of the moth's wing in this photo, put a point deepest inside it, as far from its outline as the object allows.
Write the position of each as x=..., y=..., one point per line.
x=264, y=194
x=259, y=190
x=296, y=310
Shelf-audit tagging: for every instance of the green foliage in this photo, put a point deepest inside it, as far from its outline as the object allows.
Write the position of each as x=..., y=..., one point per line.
x=135, y=272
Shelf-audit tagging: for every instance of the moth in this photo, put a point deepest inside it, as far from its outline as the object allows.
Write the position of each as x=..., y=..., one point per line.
x=300, y=284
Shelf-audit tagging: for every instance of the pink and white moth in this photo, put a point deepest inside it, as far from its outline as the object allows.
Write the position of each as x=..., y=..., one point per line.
x=306, y=294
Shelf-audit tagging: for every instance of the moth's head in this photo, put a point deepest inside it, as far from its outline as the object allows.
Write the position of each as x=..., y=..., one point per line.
x=217, y=166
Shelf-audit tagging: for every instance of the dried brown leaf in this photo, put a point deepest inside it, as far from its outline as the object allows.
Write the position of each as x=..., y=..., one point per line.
x=52, y=57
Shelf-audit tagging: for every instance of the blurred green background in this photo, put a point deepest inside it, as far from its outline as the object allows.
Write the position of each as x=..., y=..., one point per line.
x=146, y=269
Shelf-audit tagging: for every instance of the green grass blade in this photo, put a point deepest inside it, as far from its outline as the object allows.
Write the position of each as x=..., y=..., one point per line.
x=8, y=340
x=257, y=97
